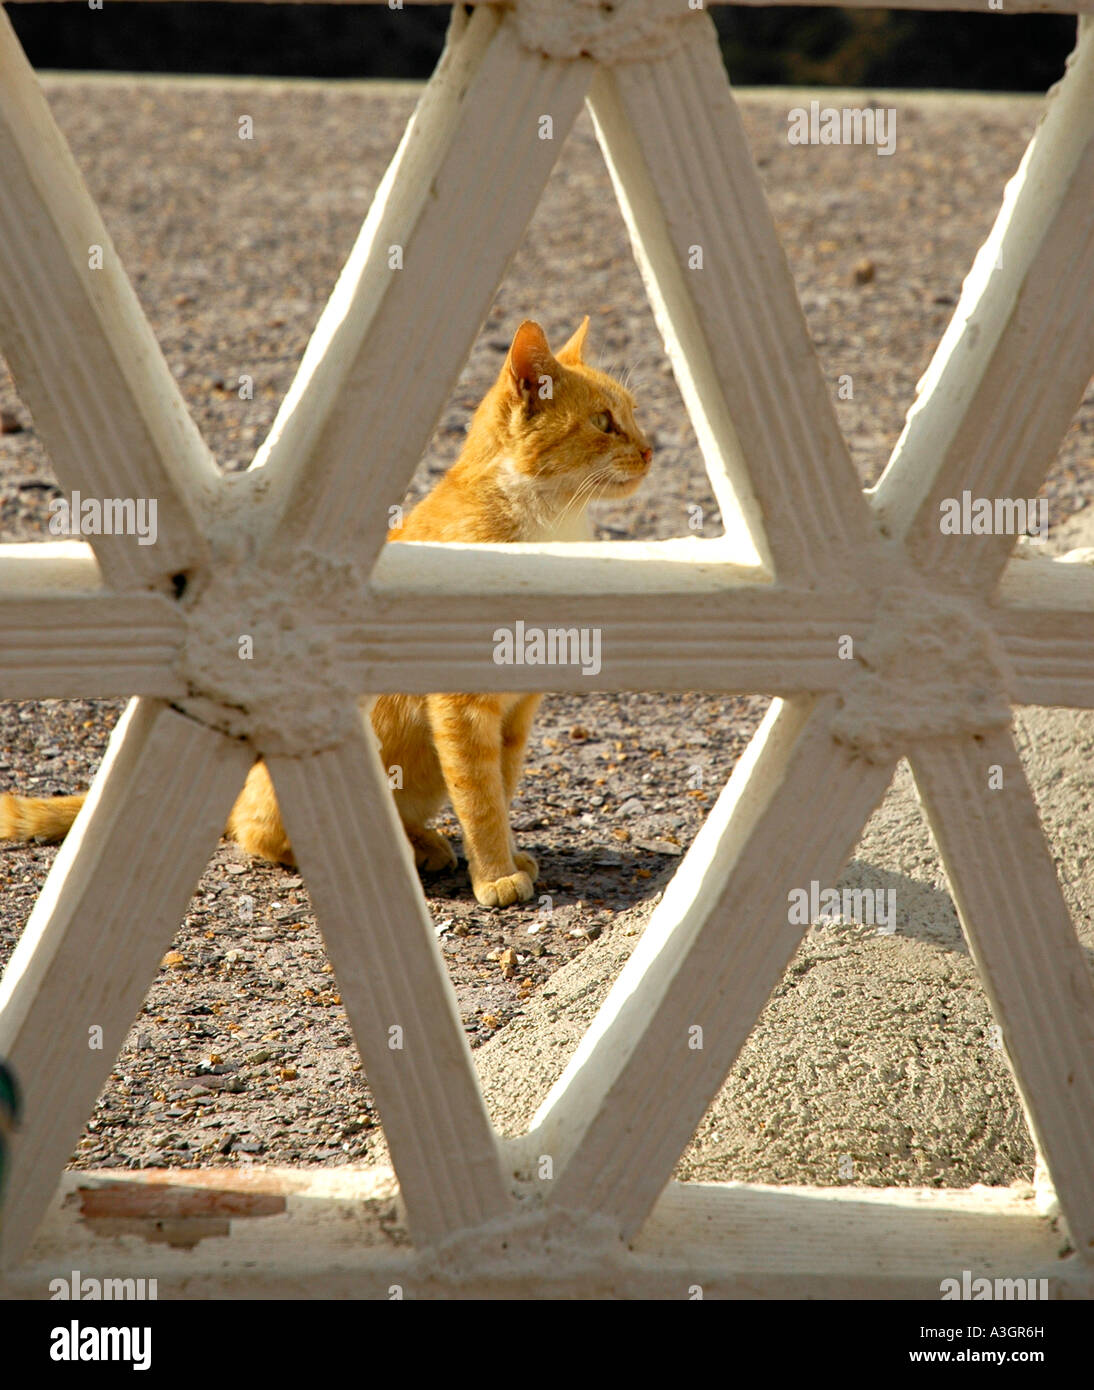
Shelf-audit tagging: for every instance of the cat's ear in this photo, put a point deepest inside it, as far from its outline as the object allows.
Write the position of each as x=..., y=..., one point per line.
x=572, y=352
x=530, y=363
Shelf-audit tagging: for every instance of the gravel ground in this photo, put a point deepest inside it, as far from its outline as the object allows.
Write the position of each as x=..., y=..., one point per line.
x=243, y=1049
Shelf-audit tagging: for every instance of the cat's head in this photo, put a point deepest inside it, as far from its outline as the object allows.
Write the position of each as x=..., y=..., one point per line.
x=566, y=426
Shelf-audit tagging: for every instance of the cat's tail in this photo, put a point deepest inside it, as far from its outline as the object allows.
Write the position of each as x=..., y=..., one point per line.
x=25, y=818
x=255, y=821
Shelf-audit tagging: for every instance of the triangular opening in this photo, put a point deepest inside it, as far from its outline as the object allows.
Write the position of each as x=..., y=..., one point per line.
x=655, y=802
x=27, y=481
x=1061, y=518
x=235, y=254
x=877, y=1061
x=1054, y=746
x=242, y=1052
x=575, y=259
x=614, y=791
x=876, y=279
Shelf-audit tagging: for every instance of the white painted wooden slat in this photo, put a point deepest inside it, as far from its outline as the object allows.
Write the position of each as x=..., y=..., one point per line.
x=991, y=411
x=625, y=1108
x=31, y=567
x=673, y=615
x=93, y=647
x=769, y=646
x=63, y=634
x=1044, y=619
x=338, y=1234
x=1032, y=582
x=78, y=344
x=113, y=900
x=1051, y=655
x=359, y=870
x=1052, y=659
x=1025, y=947
x=388, y=348
x=748, y=372
x=854, y=1242
x=643, y=570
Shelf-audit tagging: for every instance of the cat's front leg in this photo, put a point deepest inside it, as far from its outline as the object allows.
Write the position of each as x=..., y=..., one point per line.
x=516, y=727
x=467, y=733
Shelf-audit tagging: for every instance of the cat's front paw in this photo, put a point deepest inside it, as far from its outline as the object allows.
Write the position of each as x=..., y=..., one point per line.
x=526, y=864
x=504, y=892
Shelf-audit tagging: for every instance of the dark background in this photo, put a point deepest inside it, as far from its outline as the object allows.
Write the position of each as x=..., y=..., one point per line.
x=991, y=51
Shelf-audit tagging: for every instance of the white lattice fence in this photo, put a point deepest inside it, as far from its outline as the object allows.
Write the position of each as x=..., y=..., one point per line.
x=808, y=557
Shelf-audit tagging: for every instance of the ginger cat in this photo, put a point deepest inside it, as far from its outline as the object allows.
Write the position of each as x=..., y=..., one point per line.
x=551, y=435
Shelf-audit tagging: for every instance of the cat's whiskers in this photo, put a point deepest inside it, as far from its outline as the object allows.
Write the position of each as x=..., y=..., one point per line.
x=642, y=357
x=546, y=497
x=585, y=492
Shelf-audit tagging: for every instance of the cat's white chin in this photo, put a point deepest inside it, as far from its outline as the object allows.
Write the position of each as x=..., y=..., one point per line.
x=623, y=487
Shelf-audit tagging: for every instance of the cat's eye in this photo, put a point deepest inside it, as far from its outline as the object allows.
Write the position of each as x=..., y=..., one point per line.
x=603, y=421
